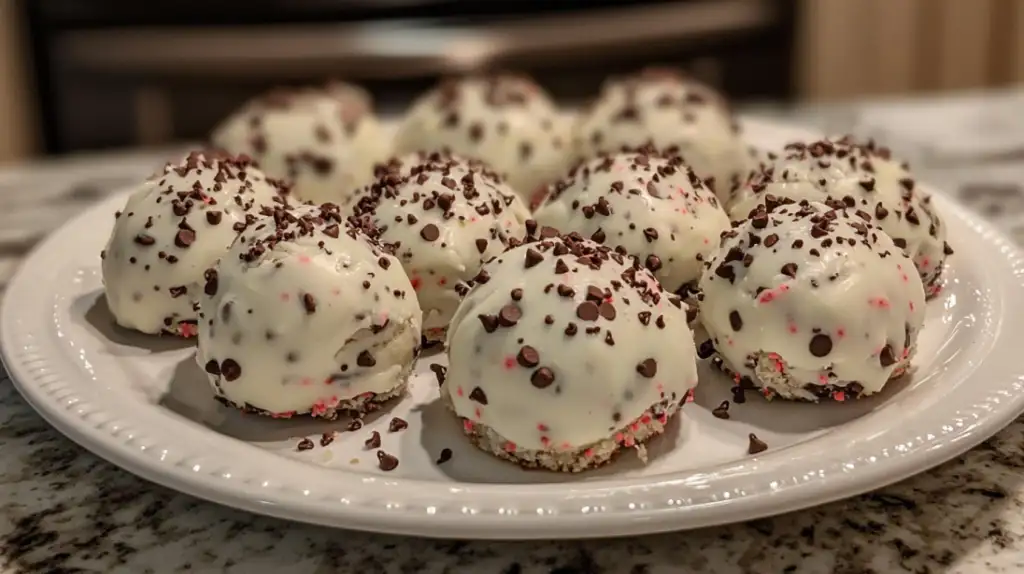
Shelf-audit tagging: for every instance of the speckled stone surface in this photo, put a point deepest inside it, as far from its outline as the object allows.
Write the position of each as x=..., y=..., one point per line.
x=64, y=510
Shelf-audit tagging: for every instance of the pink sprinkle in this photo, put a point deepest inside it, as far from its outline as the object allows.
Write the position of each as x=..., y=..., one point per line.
x=662, y=418
x=286, y=297
x=840, y=332
x=477, y=412
x=839, y=396
x=306, y=381
x=335, y=291
x=467, y=425
x=926, y=262
x=545, y=441
x=905, y=278
x=707, y=241
x=766, y=392
x=634, y=427
x=899, y=266
x=792, y=327
x=823, y=379
x=187, y=329
x=588, y=453
x=906, y=353
x=415, y=283
x=911, y=305
x=474, y=219
x=206, y=198
x=328, y=381
x=283, y=415
x=766, y=297
x=442, y=281
x=646, y=419
x=784, y=287
x=510, y=363
x=542, y=427
x=880, y=302
x=629, y=441
x=779, y=366
x=736, y=378
x=566, y=446
x=689, y=396
x=458, y=391
x=618, y=437
x=319, y=408
x=660, y=387
x=730, y=342
x=510, y=446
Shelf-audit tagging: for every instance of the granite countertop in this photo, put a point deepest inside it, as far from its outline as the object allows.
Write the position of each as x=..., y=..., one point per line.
x=64, y=510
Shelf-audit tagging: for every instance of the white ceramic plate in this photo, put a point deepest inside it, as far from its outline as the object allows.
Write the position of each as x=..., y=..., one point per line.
x=142, y=403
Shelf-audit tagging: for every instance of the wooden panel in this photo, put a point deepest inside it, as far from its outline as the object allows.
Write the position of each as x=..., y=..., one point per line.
x=894, y=34
x=1015, y=47
x=830, y=48
x=964, y=33
x=18, y=133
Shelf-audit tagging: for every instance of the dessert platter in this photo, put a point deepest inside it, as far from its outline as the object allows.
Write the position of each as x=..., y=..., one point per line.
x=492, y=318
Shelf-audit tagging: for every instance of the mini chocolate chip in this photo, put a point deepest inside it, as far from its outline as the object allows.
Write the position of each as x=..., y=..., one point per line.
x=821, y=345
x=528, y=357
x=309, y=303
x=365, y=359
x=789, y=269
x=446, y=455
x=533, y=257
x=771, y=240
x=178, y=291
x=647, y=368
x=660, y=322
x=326, y=438
x=184, y=238
x=490, y=322
x=440, y=372
x=887, y=358
x=588, y=311
x=354, y=425
x=561, y=267
x=651, y=234
x=607, y=311
x=373, y=441
x=478, y=395
x=430, y=232
x=332, y=230
x=397, y=424
x=564, y=290
x=509, y=315
x=756, y=445
x=735, y=320
x=143, y=239
x=230, y=369
x=721, y=411
x=542, y=378
x=481, y=245
x=386, y=462
x=653, y=262
x=384, y=262
x=212, y=367
x=516, y=294
x=214, y=217
x=946, y=249
x=645, y=317
x=571, y=329
x=305, y=444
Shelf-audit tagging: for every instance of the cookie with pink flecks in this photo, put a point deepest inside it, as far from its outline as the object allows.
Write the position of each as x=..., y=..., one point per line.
x=644, y=203
x=565, y=352
x=307, y=313
x=808, y=301
x=863, y=176
x=173, y=227
x=445, y=216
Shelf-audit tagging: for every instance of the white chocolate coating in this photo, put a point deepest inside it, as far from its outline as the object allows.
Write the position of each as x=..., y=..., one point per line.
x=505, y=120
x=323, y=141
x=562, y=342
x=652, y=206
x=671, y=113
x=173, y=227
x=445, y=218
x=864, y=177
x=307, y=315
x=808, y=302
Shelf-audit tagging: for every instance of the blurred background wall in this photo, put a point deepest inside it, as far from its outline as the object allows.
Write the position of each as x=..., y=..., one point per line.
x=81, y=75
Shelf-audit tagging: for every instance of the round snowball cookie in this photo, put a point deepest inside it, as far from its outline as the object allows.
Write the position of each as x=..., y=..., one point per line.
x=505, y=120
x=173, y=227
x=864, y=177
x=445, y=219
x=566, y=352
x=652, y=206
x=673, y=113
x=324, y=141
x=807, y=302
x=307, y=314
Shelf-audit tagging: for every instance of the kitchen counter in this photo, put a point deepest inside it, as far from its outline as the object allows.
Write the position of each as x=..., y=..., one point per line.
x=64, y=510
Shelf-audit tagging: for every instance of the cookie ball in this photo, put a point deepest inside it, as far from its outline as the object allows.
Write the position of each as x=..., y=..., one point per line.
x=863, y=177
x=445, y=219
x=505, y=120
x=649, y=205
x=808, y=302
x=307, y=314
x=566, y=352
x=323, y=141
x=670, y=112
x=174, y=226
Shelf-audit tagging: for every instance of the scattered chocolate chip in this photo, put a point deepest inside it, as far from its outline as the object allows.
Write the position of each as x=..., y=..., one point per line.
x=214, y=217
x=332, y=230
x=386, y=462
x=587, y=311
x=651, y=234
x=607, y=310
x=354, y=425
x=446, y=455
x=326, y=438
x=309, y=303
x=887, y=358
x=561, y=267
x=365, y=359
x=143, y=239
x=440, y=372
x=212, y=367
x=509, y=315
x=721, y=411
x=184, y=238
x=397, y=424
x=533, y=257
x=481, y=245
x=490, y=322
x=373, y=441
x=789, y=269
x=528, y=357
x=305, y=444
x=705, y=349
x=756, y=445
